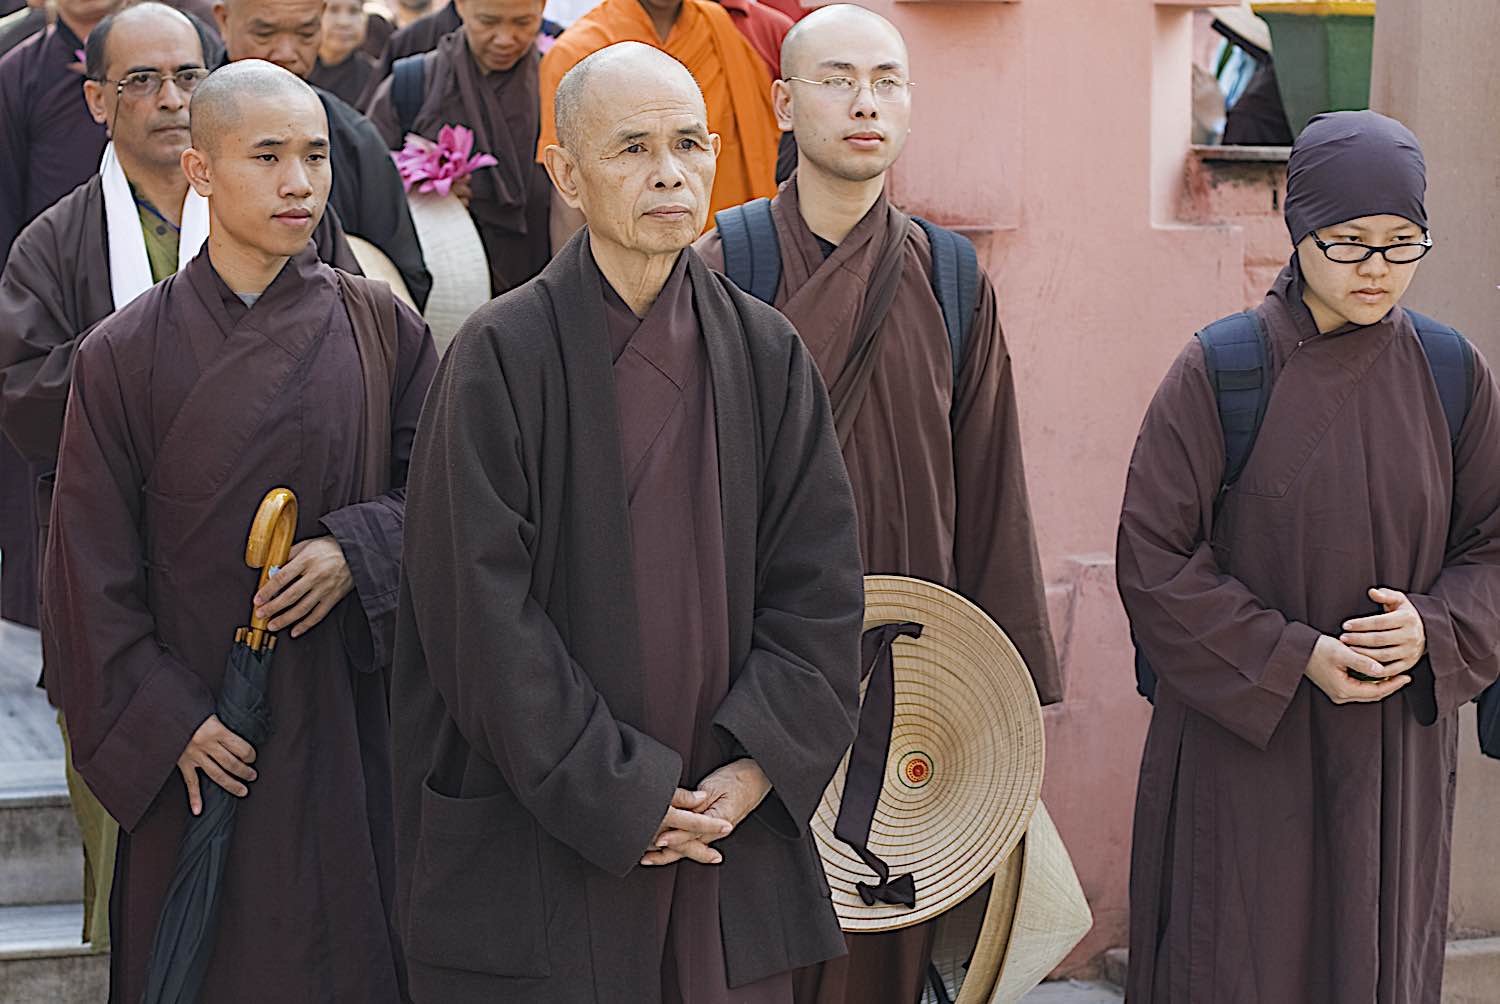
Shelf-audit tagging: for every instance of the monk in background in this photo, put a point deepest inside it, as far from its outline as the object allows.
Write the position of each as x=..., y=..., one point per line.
x=484, y=76
x=933, y=443
x=702, y=36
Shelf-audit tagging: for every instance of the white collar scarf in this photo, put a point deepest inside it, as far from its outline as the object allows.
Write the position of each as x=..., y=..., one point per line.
x=129, y=267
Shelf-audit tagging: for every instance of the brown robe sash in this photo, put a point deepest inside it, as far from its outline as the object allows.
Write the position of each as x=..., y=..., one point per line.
x=876, y=247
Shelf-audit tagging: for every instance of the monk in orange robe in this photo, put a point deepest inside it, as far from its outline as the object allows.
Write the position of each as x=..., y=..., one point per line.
x=702, y=36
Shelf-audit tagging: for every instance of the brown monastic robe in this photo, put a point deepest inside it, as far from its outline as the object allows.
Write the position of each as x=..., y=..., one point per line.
x=539, y=652
x=55, y=287
x=1286, y=848
x=670, y=457
x=937, y=473
x=186, y=408
x=510, y=200
x=348, y=80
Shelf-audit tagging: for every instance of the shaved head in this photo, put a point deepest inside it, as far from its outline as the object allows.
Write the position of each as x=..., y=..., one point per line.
x=614, y=70
x=218, y=103
x=822, y=34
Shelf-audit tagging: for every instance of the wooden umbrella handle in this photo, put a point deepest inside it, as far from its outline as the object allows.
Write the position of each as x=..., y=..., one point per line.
x=269, y=544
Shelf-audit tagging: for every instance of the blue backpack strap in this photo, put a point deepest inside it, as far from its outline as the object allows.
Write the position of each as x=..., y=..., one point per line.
x=1237, y=358
x=752, y=253
x=1451, y=359
x=955, y=282
x=408, y=81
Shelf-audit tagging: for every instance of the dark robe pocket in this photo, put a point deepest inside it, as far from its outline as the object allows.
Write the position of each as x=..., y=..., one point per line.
x=476, y=891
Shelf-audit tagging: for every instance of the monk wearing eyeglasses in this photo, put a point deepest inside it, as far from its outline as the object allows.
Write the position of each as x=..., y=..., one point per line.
x=1316, y=614
x=928, y=423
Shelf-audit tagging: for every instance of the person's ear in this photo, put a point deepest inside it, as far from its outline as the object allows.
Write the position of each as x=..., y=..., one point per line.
x=715, y=143
x=221, y=18
x=563, y=170
x=781, y=101
x=93, y=96
x=195, y=166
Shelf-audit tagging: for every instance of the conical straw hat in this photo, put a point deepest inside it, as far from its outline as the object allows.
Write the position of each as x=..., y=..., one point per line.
x=964, y=767
x=996, y=950
x=375, y=265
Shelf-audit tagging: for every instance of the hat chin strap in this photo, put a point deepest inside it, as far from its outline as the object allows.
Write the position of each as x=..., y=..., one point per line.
x=867, y=760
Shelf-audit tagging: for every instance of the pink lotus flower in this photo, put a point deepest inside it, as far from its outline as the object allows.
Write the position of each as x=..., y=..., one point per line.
x=437, y=167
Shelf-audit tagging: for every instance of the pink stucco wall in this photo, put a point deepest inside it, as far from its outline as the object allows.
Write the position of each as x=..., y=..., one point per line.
x=1058, y=130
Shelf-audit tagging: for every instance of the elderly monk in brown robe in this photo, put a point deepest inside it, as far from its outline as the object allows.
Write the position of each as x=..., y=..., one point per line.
x=484, y=76
x=101, y=246
x=1316, y=626
x=255, y=366
x=627, y=654
x=935, y=460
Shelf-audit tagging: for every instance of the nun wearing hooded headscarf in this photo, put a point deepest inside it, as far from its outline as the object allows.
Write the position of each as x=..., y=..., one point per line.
x=1314, y=630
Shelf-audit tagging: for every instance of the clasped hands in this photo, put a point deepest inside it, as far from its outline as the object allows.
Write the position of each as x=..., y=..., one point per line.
x=696, y=819
x=1382, y=647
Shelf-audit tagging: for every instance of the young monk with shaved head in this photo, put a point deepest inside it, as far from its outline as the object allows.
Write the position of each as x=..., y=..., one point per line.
x=922, y=390
x=367, y=192
x=255, y=366
x=629, y=626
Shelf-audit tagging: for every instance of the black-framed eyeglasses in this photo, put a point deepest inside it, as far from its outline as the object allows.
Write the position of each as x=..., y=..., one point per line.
x=147, y=83
x=1353, y=254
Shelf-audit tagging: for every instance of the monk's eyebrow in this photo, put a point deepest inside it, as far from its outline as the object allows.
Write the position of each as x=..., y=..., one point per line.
x=634, y=136
x=843, y=67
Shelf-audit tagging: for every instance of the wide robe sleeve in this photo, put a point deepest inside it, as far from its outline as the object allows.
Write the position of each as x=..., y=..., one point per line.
x=492, y=652
x=131, y=706
x=1206, y=635
x=1461, y=612
x=37, y=342
x=369, y=532
x=794, y=701
x=994, y=542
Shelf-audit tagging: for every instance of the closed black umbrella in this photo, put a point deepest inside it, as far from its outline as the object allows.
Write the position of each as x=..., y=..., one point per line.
x=185, y=932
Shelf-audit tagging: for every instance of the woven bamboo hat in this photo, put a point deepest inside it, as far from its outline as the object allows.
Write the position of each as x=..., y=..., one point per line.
x=375, y=265
x=996, y=946
x=963, y=769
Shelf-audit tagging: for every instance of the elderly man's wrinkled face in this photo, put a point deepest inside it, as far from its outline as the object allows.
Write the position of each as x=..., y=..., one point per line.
x=645, y=167
x=284, y=32
x=500, y=32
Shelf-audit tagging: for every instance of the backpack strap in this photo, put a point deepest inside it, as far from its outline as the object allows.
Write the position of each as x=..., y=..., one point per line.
x=955, y=282
x=408, y=81
x=1451, y=359
x=752, y=252
x=1236, y=356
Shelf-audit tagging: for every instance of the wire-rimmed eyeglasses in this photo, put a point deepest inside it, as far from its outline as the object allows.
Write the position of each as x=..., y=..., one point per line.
x=147, y=83
x=884, y=89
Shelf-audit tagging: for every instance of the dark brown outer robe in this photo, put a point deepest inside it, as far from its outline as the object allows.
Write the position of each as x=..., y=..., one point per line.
x=1286, y=848
x=529, y=783
x=939, y=500
x=421, y=35
x=511, y=199
x=346, y=81
x=54, y=288
x=186, y=408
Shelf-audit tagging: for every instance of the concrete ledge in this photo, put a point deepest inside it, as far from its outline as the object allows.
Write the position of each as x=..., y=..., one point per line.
x=1244, y=154
x=75, y=980
x=41, y=860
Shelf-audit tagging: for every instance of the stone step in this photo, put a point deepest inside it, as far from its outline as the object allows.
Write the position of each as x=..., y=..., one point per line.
x=42, y=959
x=1471, y=970
x=41, y=860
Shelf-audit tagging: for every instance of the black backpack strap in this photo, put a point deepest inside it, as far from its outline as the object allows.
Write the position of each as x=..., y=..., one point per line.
x=955, y=282
x=752, y=253
x=1237, y=358
x=1451, y=359
x=408, y=81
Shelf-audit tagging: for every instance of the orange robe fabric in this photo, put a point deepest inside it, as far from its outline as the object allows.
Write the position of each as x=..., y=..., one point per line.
x=728, y=69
